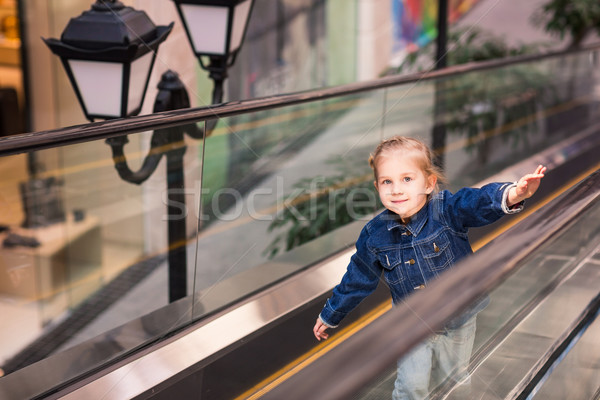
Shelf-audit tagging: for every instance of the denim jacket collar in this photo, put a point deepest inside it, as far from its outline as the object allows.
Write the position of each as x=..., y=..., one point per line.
x=414, y=226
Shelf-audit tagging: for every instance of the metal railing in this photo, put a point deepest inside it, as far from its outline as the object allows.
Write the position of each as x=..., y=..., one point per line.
x=102, y=130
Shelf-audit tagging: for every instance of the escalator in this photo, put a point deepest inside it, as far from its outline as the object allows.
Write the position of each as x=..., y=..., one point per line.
x=543, y=313
x=258, y=274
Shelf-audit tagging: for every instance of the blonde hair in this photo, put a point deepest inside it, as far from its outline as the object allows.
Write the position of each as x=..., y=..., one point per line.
x=424, y=156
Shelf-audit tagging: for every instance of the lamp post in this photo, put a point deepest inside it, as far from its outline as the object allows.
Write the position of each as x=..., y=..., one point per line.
x=108, y=54
x=441, y=62
x=215, y=30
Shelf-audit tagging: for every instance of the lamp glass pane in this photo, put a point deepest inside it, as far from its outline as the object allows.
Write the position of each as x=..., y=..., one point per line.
x=207, y=26
x=100, y=85
x=140, y=69
x=240, y=18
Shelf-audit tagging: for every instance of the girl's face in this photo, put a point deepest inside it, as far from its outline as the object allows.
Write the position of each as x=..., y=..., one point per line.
x=401, y=183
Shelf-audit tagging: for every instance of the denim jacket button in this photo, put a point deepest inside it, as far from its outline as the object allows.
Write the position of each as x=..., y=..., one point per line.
x=411, y=261
x=419, y=287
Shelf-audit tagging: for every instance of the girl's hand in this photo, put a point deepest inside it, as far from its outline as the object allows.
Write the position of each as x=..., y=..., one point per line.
x=526, y=186
x=319, y=330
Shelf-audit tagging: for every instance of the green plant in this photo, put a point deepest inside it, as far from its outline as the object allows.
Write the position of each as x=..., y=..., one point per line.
x=483, y=105
x=321, y=204
x=503, y=104
x=577, y=18
x=465, y=45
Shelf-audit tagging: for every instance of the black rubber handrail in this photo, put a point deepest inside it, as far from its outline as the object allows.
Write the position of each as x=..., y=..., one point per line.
x=102, y=130
x=350, y=366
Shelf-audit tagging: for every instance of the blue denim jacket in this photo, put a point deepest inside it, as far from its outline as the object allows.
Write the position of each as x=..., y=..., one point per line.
x=411, y=255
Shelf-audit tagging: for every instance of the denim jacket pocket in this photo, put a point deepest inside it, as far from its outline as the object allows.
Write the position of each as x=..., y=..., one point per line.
x=390, y=261
x=437, y=252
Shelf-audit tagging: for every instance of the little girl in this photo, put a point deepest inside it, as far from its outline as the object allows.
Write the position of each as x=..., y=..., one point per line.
x=420, y=235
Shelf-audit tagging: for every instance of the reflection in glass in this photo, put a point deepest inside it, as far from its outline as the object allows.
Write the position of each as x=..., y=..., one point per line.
x=279, y=190
x=99, y=266
x=277, y=180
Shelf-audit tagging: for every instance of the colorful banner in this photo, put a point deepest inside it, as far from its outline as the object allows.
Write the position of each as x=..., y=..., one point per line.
x=415, y=21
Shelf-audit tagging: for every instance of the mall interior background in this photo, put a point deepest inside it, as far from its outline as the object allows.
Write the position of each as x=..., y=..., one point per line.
x=290, y=46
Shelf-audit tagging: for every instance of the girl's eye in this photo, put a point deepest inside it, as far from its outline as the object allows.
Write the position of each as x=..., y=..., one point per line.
x=407, y=179
x=386, y=181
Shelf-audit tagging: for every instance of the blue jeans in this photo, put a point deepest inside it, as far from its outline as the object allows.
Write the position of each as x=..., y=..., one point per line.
x=445, y=355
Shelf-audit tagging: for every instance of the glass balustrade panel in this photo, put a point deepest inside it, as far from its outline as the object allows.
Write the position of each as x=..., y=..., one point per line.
x=483, y=123
x=85, y=251
x=281, y=190
x=266, y=195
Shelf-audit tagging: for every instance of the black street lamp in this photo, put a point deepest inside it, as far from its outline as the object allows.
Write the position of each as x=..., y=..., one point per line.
x=108, y=53
x=216, y=30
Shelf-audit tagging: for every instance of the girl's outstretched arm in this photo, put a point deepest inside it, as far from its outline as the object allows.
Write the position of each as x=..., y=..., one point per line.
x=526, y=186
